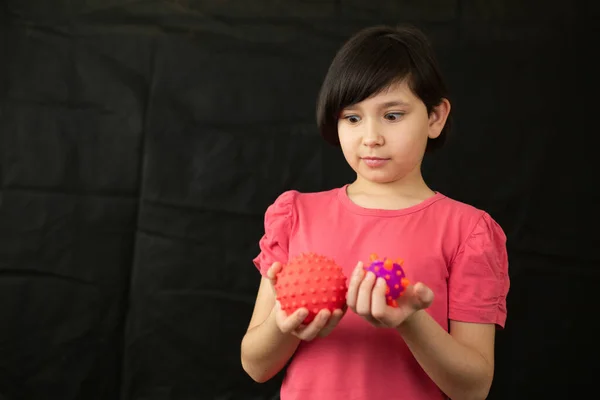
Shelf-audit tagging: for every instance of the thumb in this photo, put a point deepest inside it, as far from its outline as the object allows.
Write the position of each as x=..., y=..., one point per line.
x=423, y=294
x=271, y=275
x=273, y=270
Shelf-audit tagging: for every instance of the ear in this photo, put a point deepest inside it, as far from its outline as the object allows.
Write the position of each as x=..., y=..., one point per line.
x=437, y=118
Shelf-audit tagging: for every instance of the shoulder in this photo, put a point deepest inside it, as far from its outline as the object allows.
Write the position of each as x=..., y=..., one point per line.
x=466, y=216
x=469, y=229
x=481, y=236
x=459, y=208
x=294, y=200
x=284, y=211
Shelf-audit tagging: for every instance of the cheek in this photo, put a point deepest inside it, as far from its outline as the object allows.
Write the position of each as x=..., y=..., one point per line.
x=404, y=143
x=409, y=139
x=408, y=149
x=349, y=152
x=347, y=140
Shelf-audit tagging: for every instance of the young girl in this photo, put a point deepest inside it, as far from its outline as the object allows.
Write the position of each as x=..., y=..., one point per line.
x=384, y=103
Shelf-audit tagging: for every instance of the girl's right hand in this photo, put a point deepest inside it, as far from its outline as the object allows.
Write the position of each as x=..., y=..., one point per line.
x=320, y=326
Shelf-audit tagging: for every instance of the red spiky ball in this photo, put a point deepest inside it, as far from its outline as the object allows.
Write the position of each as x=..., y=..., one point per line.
x=312, y=281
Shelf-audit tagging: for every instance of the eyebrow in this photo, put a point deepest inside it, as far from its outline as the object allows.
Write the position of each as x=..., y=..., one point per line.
x=393, y=104
x=387, y=104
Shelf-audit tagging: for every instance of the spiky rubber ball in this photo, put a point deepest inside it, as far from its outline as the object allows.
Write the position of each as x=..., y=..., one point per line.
x=312, y=281
x=394, y=276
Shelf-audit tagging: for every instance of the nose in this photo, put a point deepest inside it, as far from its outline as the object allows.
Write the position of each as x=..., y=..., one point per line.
x=372, y=136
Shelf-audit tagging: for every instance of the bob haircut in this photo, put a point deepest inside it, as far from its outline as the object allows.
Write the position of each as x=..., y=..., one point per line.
x=371, y=61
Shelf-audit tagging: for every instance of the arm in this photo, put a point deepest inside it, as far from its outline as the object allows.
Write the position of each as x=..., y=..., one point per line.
x=461, y=363
x=273, y=336
x=265, y=349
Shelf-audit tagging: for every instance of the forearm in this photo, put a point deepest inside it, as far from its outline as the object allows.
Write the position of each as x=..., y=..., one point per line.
x=460, y=372
x=266, y=350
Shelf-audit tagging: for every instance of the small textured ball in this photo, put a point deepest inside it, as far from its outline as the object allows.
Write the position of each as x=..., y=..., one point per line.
x=312, y=281
x=394, y=276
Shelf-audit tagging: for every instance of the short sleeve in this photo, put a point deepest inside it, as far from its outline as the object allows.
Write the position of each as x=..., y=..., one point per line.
x=274, y=244
x=478, y=280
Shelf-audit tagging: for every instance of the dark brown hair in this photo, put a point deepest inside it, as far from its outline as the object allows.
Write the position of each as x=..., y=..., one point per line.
x=371, y=61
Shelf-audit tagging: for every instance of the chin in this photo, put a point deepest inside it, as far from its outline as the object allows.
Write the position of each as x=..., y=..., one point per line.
x=378, y=177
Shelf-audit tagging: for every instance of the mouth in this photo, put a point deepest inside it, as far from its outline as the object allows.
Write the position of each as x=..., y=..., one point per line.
x=374, y=162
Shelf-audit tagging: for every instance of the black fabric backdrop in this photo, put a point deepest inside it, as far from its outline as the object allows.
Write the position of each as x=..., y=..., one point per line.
x=141, y=142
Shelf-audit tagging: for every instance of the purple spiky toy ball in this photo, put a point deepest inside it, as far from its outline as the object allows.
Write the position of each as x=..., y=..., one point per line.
x=393, y=274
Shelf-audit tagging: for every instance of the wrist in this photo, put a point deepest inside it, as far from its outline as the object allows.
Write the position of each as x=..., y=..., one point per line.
x=409, y=323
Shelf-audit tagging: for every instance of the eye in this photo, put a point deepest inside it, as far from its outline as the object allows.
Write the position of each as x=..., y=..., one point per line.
x=393, y=116
x=352, y=118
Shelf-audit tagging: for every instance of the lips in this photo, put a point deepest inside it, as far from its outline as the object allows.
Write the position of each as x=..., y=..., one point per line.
x=375, y=162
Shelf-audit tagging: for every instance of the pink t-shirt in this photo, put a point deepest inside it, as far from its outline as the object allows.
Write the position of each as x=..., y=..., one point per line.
x=455, y=249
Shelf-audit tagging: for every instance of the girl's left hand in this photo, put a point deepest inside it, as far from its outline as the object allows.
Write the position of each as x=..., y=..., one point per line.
x=366, y=297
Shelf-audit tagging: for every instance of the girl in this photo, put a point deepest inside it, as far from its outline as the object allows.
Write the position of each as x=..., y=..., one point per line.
x=384, y=103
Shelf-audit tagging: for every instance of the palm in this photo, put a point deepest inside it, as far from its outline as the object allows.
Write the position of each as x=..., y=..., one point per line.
x=322, y=325
x=415, y=298
x=367, y=297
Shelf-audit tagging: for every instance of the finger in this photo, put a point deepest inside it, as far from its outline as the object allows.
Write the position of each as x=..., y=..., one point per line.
x=363, y=302
x=311, y=331
x=335, y=318
x=354, y=284
x=274, y=270
x=288, y=324
x=379, y=305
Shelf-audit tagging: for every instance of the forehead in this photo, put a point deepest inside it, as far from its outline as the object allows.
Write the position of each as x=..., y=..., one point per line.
x=396, y=93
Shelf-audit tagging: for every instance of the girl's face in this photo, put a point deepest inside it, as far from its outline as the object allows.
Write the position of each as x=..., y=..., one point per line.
x=384, y=137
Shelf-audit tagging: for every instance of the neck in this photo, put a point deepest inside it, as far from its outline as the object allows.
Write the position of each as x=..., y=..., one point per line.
x=412, y=185
x=391, y=195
